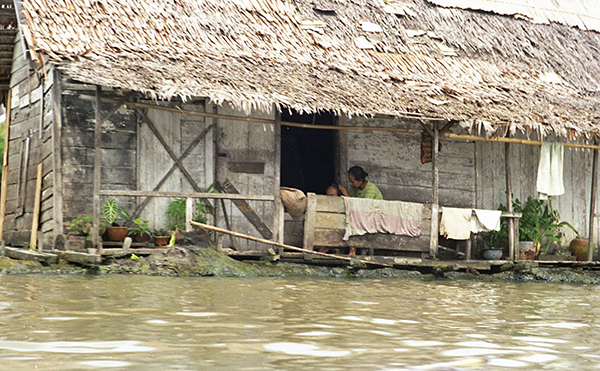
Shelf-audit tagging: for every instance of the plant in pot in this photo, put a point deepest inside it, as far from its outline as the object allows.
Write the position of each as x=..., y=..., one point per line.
x=78, y=230
x=176, y=211
x=161, y=237
x=495, y=242
x=539, y=226
x=112, y=211
x=140, y=231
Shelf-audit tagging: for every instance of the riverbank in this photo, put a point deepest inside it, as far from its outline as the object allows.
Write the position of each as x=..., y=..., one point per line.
x=208, y=261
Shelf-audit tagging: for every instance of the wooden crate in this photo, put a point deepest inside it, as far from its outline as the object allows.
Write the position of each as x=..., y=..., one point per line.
x=325, y=226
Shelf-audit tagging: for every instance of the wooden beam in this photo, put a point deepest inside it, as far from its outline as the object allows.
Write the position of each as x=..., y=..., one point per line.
x=277, y=177
x=512, y=244
x=222, y=196
x=4, y=182
x=248, y=212
x=97, y=171
x=591, y=241
x=435, y=219
x=57, y=184
x=185, y=154
x=35, y=220
x=24, y=254
x=272, y=243
x=166, y=146
x=310, y=221
x=189, y=213
x=515, y=140
x=24, y=166
x=81, y=257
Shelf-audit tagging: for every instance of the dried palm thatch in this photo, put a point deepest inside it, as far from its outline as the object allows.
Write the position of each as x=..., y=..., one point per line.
x=359, y=57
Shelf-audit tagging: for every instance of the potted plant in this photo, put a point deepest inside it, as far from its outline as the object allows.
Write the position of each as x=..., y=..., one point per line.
x=176, y=211
x=539, y=226
x=495, y=242
x=161, y=237
x=112, y=211
x=140, y=231
x=78, y=230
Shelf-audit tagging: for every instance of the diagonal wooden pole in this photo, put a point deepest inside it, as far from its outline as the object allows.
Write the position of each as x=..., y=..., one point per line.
x=185, y=154
x=284, y=246
x=166, y=146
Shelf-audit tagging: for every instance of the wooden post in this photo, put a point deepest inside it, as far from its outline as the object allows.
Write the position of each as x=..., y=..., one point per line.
x=435, y=219
x=57, y=183
x=310, y=221
x=35, y=221
x=4, y=184
x=97, y=172
x=189, y=213
x=593, y=205
x=513, y=252
x=277, y=220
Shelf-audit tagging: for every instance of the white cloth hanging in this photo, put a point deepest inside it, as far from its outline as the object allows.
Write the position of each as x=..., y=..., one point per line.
x=550, y=170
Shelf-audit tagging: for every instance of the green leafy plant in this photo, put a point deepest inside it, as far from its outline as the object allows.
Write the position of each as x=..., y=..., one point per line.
x=540, y=222
x=112, y=211
x=160, y=233
x=139, y=227
x=176, y=211
x=80, y=226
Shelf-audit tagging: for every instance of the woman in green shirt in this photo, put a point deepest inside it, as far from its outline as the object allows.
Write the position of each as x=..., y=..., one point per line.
x=359, y=185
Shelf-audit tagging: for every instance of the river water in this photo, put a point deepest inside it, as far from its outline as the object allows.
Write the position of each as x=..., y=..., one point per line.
x=155, y=323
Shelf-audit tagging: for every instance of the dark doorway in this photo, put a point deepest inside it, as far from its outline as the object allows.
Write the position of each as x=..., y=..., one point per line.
x=307, y=155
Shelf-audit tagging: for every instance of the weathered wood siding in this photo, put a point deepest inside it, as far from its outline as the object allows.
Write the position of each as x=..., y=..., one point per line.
x=573, y=206
x=179, y=131
x=246, y=142
x=30, y=92
x=393, y=161
x=119, y=148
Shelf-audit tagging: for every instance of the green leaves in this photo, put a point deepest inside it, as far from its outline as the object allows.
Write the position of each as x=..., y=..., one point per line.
x=112, y=211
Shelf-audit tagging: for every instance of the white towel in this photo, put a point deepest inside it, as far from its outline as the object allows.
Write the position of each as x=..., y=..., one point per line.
x=485, y=220
x=456, y=223
x=550, y=170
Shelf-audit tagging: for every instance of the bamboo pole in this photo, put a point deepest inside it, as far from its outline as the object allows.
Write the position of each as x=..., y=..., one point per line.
x=330, y=127
x=277, y=178
x=435, y=219
x=282, y=245
x=4, y=182
x=97, y=171
x=35, y=221
x=515, y=140
x=511, y=221
x=593, y=205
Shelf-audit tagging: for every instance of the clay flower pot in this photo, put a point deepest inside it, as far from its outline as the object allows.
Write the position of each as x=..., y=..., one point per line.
x=579, y=248
x=116, y=234
x=161, y=240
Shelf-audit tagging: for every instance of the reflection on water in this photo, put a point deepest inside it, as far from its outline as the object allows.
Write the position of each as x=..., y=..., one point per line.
x=152, y=323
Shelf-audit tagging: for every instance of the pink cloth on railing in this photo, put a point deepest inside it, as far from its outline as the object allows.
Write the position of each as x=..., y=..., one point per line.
x=378, y=216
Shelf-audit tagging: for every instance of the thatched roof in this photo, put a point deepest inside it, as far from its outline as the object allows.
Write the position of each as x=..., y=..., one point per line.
x=359, y=57
x=584, y=14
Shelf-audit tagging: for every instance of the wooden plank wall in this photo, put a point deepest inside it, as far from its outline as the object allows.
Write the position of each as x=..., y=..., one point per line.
x=154, y=162
x=573, y=206
x=119, y=148
x=28, y=88
x=393, y=161
x=246, y=142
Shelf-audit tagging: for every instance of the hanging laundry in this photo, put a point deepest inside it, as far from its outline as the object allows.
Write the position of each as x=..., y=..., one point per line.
x=365, y=215
x=456, y=223
x=485, y=220
x=550, y=170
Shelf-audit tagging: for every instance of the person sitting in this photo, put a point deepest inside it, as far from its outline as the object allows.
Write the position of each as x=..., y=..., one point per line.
x=333, y=190
x=359, y=185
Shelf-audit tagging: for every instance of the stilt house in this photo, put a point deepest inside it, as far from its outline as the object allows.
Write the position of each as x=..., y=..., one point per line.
x=131, y=99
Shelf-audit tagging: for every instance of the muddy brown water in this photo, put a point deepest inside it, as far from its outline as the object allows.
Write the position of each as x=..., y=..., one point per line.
x=154, y=323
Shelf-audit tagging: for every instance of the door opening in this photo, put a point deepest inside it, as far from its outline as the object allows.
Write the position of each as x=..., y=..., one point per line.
x=307, y=155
